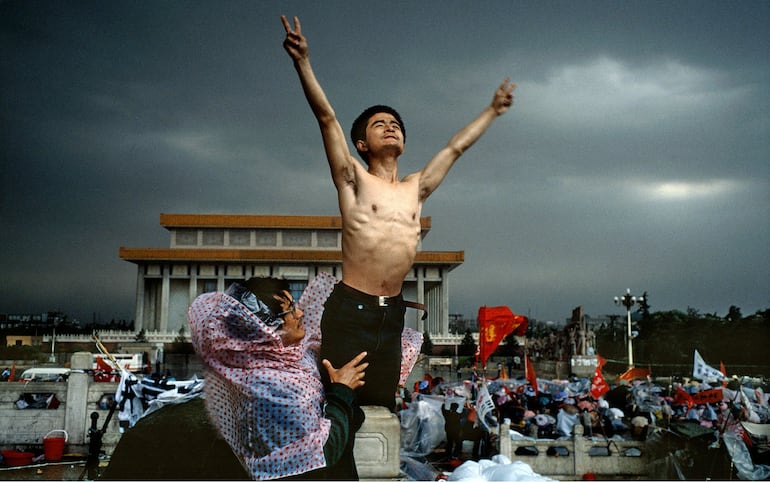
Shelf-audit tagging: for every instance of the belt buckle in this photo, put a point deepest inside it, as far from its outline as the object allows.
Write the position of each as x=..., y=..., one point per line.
x=382, y=301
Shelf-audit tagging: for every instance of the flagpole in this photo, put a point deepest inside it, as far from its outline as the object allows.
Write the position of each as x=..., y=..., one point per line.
x=525, y=357
x=526, y=367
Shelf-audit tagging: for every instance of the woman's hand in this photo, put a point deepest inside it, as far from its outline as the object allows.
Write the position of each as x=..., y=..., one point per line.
x=351, y=374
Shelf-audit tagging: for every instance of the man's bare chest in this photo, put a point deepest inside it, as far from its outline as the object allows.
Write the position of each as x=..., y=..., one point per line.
x=382, y=202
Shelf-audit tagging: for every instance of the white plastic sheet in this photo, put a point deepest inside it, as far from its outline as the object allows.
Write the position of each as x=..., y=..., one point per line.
x=500, y=468
x=422, y=427
x=747, y=470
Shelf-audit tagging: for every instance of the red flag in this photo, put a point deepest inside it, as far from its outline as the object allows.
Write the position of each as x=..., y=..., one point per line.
x=531, y=377
x=634, y=373
x=495, y=323
x=600, y=362
x=598, y=385
x=683, y=398
x=724, y=373
x=521, y=328
x=102, y=365
x=704, y=397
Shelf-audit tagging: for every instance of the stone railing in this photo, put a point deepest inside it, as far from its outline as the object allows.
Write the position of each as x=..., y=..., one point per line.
x=78, y=398
x=115, y=336
x=571, y=459
x=377, y=448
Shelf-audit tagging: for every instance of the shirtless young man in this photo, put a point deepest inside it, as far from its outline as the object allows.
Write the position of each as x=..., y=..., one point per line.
x=380, y=223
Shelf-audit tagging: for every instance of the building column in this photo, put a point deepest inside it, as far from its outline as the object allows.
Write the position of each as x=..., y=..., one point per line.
x=139, y=317
x=221, y=278
x=421, y=298
x=444, y=320
x=164, y=299
x=193, y=290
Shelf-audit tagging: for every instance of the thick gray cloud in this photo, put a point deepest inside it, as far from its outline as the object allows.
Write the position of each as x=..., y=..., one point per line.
x=635, y=156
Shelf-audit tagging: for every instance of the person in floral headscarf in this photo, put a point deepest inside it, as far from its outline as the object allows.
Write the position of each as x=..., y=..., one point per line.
x=263, y=388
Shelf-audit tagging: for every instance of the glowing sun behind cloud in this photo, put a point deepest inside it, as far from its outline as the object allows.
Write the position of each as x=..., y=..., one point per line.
x=687, y=190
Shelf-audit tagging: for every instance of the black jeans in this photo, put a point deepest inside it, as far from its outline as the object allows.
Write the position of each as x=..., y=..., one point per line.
x=353, y=322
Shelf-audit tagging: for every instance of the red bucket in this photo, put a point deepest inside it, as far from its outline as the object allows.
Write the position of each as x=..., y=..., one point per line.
x=53, y=447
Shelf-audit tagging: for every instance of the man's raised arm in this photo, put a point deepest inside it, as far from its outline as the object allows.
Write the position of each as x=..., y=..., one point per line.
x=336, y=147
x=437, y=168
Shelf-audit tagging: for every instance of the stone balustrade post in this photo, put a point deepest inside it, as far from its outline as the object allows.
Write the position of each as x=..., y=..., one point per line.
x=579, y=447
x=504, y=438
x=77, y=398
x=378, y=445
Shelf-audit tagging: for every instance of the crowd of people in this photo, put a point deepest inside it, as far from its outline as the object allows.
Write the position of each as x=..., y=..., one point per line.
x=630, y=410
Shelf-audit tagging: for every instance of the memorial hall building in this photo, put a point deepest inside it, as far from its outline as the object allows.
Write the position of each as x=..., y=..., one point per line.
x=207, y=252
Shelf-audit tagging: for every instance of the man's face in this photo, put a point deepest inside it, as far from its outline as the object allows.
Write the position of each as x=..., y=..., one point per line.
x=293, y=330
x=383, y=131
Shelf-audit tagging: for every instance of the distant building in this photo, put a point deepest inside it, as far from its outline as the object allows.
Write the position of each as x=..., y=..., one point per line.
x=458, y=324
x=209, y=251
x=28, y=328
x=23, y=340
x=29, y=321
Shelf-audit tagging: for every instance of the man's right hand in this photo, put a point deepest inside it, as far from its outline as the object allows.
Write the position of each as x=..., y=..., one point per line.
x=503, y=98
x=351, y=374
x=295, y=43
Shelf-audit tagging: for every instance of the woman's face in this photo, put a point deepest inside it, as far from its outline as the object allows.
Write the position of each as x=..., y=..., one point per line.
x=293, y=330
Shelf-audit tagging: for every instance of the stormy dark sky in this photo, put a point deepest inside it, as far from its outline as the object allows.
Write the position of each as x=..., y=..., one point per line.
x=635, y=156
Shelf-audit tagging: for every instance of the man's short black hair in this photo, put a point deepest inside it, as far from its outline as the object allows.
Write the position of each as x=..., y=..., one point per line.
x=358, y=130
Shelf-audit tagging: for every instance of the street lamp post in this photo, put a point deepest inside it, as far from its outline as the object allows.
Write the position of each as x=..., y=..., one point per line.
x=55, y=321
x=52, y=358
x=628, y=301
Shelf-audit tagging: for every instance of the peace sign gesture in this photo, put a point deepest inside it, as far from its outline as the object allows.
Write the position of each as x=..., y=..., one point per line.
x=295, y=43
x=503, y=98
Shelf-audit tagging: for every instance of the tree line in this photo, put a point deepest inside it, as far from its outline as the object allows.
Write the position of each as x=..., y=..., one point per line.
x=665, y=341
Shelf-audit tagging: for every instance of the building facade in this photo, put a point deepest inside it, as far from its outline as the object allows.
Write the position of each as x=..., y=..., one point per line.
x=207, y=252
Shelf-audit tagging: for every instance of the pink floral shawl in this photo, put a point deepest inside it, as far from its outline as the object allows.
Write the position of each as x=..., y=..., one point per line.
x=265, y=398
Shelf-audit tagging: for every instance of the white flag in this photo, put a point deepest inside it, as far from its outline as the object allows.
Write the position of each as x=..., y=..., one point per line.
x=485, y=409
x=127, y=396
x=701, y=371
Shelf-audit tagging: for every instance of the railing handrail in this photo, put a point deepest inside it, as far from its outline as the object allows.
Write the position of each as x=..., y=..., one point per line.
x=115, y=336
